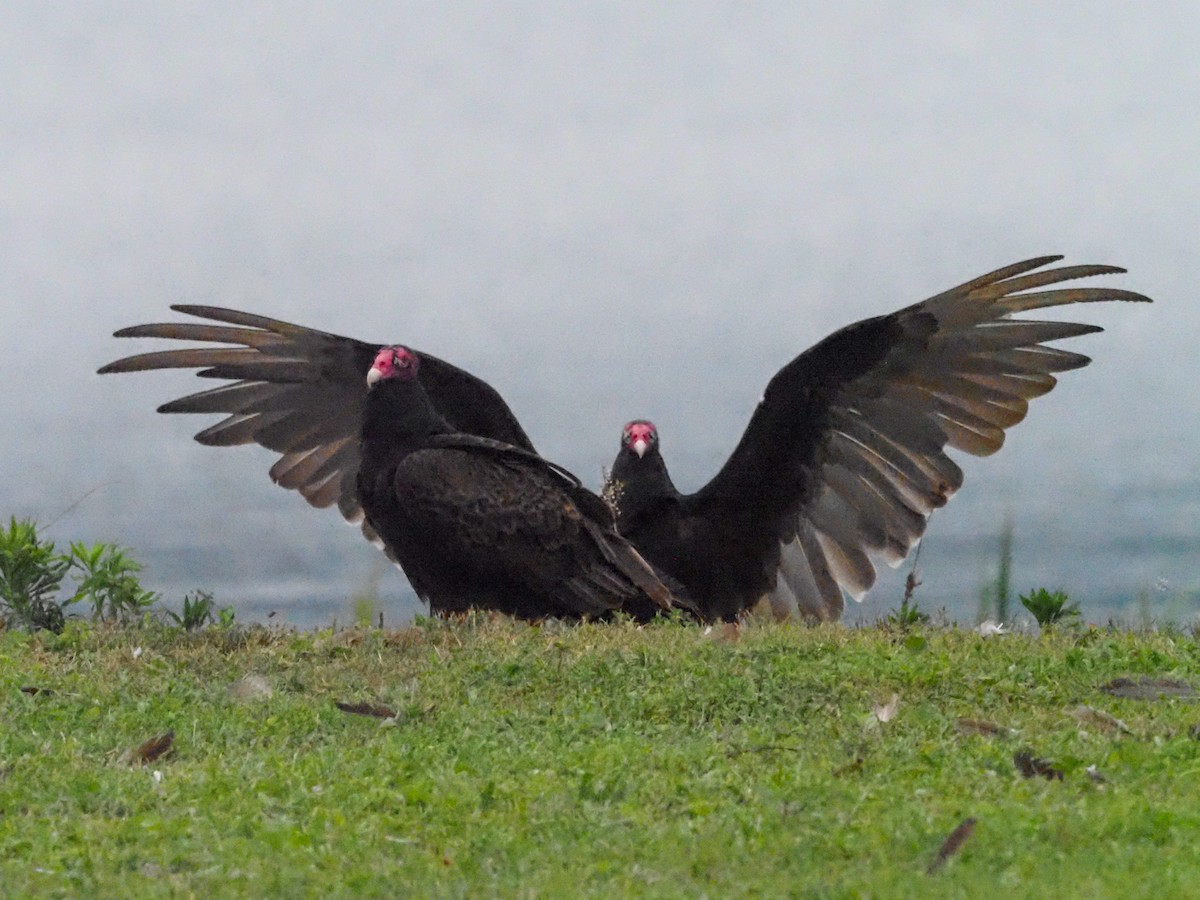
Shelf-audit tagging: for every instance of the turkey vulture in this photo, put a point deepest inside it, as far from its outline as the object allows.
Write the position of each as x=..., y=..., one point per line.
x=844, y=455
x=301, y=393
x=478, y=523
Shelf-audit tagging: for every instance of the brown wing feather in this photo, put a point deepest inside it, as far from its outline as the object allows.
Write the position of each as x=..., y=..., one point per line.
x=300, y=392
x=956, y=371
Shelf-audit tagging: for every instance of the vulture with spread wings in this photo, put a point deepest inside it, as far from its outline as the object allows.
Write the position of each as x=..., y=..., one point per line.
x=844, y=456
x=302, y=393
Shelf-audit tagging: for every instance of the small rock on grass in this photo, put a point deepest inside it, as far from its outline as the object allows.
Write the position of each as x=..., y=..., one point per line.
x=250, y=687
x=885, y=712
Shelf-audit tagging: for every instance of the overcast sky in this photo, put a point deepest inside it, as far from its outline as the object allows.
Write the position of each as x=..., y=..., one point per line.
x=606, y=210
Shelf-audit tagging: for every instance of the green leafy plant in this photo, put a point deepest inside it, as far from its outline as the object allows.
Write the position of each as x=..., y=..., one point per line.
x=31, y=573
x=907, y=615
x=198, y=611
x=1050, y=607
x=108, y=579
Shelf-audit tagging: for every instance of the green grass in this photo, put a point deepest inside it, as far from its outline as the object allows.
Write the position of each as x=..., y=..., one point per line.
x=592, y=761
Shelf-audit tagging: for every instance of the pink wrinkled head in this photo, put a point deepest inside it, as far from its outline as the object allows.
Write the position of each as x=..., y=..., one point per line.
x=393, y=362
x=639, y=436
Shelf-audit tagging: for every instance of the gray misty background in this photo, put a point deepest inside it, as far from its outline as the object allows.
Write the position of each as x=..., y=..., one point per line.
x=608, y=211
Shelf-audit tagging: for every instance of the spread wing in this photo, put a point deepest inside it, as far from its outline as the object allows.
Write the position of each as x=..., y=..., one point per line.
x=300, y=392
x=845, y=455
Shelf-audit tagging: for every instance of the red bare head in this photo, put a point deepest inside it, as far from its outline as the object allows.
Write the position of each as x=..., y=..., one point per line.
x=393, y=362
x=639, y=436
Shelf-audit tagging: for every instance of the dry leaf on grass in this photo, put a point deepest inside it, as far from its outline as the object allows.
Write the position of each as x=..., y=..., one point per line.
x=726, y=631
x=1146, y=688
x=855, y=765
x=1089, y=715
x=149, y=751
x=366, y=709
x=1030, y=766
x=952, y=844
x=1094, y=774
x=347, y=637
x=983, y=727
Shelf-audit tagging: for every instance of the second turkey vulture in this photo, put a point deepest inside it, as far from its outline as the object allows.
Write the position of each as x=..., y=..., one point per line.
x=301, y=393
x=845, y=453
x=480, y=524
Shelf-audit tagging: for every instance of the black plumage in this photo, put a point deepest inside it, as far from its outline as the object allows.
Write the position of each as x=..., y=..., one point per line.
x=845, y=453
x=480, y=524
